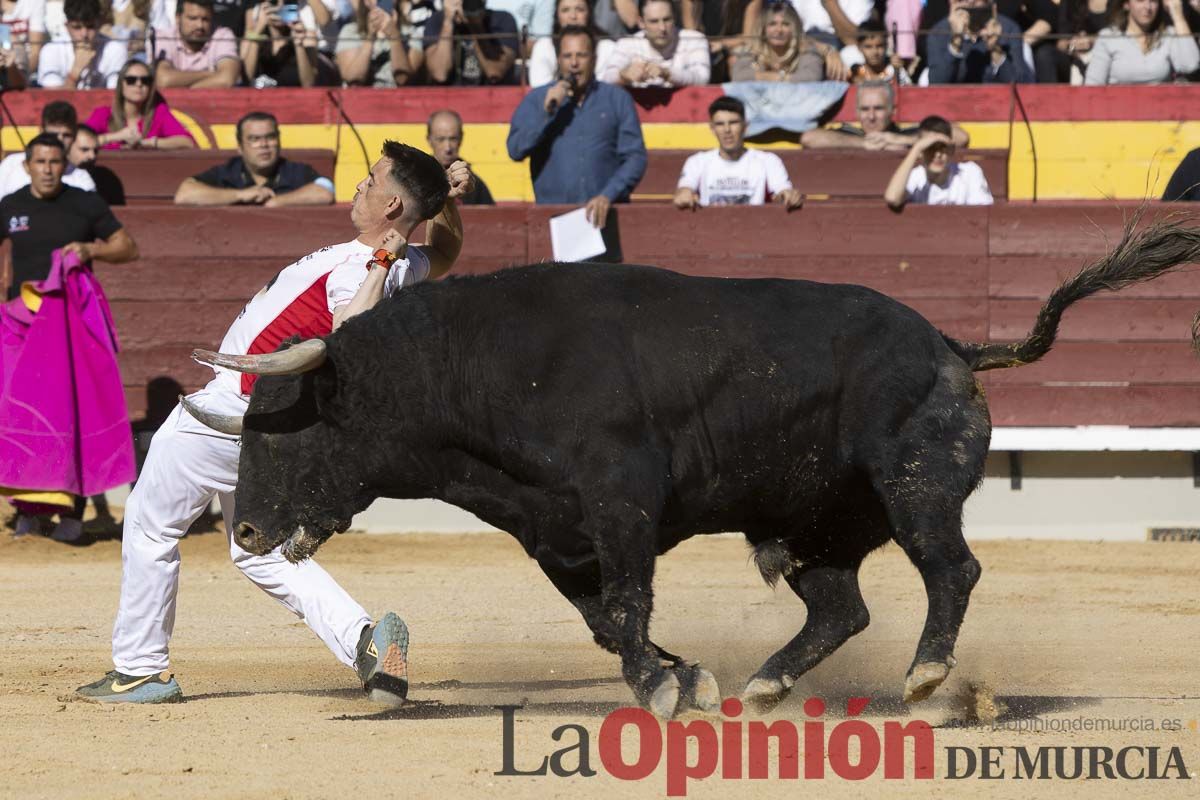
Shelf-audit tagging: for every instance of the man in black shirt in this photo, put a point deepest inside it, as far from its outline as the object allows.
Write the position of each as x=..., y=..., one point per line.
x=47, y=215
x=259, y=176
x=40, y=218
x=83, y=153
x=444, y=132
x=467, y=44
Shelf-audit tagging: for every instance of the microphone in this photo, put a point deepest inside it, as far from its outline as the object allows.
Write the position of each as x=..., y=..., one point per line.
x=573, y=83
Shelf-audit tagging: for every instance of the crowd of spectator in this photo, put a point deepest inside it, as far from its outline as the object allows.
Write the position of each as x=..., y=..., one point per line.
x=87, y=44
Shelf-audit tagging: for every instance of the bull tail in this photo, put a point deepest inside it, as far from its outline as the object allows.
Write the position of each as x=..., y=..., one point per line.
x=1140, y=256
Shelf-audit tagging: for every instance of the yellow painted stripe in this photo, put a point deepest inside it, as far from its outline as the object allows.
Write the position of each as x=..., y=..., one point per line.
x=1076, y=160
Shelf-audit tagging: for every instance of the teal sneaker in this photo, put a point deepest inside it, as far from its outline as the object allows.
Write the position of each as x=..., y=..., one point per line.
x=117, y=687
x=382, y=662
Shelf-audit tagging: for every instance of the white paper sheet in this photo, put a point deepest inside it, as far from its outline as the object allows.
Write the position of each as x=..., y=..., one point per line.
x=573, y=238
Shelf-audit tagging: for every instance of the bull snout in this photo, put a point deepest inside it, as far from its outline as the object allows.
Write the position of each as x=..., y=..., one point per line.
x=251, y=539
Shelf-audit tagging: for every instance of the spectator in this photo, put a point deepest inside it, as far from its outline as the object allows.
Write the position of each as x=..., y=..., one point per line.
x=1140, y=47
x=139, y=118
x=43, y=217
x=534, y=18
x=444, y=132
x=1079, y=22
x=413, y=16
x=660, y=54
x=616, y=18
x=974, y=44
x=1185, y=181
x=582, y=136
x=929, y=174
x=1035, y=18
x=82, y=156
x=58, y=119
x=875, y=102
x=26, y=20
x=283, y=52
x=731, y=175
x=85, y=58
x=370, y=50
x=193, y=54
x=259, y=176
x=778, y=50
x=467, y=44
x=833, y=22
x=723, y=22
x=869, y=61
x=543, y=61
x=127, y=22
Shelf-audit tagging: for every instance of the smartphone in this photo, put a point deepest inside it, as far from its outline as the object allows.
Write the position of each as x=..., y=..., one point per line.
x=289, y=13
x=978, y=17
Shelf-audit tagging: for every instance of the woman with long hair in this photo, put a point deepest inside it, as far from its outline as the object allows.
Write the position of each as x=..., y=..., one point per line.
x=779, y=50
x=138, y=118
x=1140, y=46
x=543, y=60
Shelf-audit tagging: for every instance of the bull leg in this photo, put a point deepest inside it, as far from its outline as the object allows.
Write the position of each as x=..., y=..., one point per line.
x=949, y=570
x=580, y=583
x=836, y=612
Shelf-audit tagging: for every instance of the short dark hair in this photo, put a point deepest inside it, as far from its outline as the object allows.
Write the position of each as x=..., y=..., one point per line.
x=574, y=30
x=85, y=128
x=643, y=3
x=421, y=176
x=44, y=140
x=60, y=112
x=726, y=103
x=202, y=3
x=86, y=11
x=935, y=124
x=871, y=27
x=253, y=116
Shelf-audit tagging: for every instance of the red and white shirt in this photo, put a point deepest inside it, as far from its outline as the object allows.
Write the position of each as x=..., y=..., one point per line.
x=300, y=300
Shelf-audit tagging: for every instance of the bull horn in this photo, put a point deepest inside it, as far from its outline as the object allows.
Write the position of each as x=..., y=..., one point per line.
x=224, y=423
x=301, y=357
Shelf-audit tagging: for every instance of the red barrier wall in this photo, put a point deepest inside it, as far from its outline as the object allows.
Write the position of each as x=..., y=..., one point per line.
x=977, y=273
x=496, y=104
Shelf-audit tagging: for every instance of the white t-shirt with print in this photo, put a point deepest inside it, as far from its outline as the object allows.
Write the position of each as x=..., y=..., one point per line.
x=300, y=300
x=966, y=187
x=749, y=181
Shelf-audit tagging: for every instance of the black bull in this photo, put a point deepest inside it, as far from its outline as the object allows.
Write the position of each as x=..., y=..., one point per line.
x=603, y=414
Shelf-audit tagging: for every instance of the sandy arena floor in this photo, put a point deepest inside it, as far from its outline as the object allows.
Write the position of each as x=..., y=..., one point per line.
x=1058, y=631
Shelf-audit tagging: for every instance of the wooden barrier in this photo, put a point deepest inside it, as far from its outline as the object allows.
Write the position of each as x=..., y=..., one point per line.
x=151, y=176
x=835, y=173
x=977, y=273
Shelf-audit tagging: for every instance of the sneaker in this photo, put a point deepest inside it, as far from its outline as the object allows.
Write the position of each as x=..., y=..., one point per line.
x=382, y=662
x=117, y=687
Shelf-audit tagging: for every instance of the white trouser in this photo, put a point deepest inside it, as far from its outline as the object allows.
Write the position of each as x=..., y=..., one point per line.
x=187, y=465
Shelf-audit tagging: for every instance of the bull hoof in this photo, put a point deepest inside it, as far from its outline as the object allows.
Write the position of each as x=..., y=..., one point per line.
x=923, y=680
x=707, y=692
x=763, y=694
x=665, y=698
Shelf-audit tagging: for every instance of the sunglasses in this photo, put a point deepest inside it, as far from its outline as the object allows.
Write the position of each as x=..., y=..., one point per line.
x=134, y=80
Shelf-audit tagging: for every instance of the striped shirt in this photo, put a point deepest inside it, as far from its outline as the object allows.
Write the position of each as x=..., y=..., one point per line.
x=687, y=59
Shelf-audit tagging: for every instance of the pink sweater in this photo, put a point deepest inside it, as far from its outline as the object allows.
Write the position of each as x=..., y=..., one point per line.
x=162, y=124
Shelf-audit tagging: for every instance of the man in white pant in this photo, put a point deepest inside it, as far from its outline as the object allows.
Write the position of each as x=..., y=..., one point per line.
x=190, y=463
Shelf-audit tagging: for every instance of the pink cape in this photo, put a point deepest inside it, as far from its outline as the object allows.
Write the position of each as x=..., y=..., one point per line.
x=63, y=421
